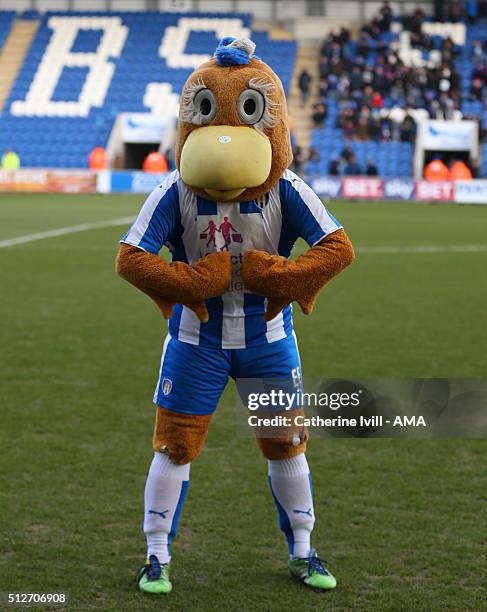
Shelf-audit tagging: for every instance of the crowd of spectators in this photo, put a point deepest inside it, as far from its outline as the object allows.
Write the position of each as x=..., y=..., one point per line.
x=364, y=76
x=458, y=10
x=479, y=75
x=348, y=165
x=345, y=164
x=300, y=158
x=374, y=76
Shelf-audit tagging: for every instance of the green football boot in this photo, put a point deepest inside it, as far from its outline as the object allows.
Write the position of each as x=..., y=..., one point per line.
x=312, y=572
x=153, y=577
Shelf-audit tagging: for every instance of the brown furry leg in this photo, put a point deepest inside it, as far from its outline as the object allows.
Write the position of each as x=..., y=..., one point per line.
x=182, y=436
x=281, y=445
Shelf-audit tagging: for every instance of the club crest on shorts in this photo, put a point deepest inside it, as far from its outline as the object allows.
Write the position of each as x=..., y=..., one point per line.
x=166, y=386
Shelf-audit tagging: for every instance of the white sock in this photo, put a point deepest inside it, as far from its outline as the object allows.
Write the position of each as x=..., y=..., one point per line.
x=290, y=483
x=165, y=492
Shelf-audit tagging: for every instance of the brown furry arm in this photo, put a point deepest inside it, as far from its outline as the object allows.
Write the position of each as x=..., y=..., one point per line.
x=283, y=281
x=171, y=283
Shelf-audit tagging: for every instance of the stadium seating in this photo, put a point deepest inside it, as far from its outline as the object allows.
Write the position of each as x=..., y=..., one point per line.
x=396, y=158
x=391, y=158
x=6, y=20
x=66, y=97
x=147, y=58
x=464, y=65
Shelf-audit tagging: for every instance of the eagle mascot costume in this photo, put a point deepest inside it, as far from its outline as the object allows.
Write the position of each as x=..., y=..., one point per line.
x=230, y=215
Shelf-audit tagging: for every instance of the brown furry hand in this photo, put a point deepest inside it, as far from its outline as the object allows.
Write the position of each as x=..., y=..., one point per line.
x=274, y=307
x=283, y=281
x=199, y=308
x=176, y=283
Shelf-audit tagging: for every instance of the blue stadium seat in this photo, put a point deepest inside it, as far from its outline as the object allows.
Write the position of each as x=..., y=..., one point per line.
x=60, y=141
x=396, y=158
x=7, y=19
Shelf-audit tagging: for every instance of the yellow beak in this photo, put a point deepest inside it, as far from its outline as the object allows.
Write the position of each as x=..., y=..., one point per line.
x=225, y=160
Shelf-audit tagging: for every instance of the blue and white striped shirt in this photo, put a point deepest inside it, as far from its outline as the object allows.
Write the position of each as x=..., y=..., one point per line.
x=192, y=227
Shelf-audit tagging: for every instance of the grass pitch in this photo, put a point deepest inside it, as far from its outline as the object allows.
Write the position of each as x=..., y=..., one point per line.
x=402, y=522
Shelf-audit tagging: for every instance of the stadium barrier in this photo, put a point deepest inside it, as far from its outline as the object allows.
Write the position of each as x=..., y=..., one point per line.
x=471, y=192
x=128, y=182
x=349, y=187
x=399, y=188
x=333, y=187
x=48, y=180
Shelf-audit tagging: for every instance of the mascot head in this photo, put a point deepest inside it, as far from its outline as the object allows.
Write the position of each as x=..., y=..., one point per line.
x=233, y=137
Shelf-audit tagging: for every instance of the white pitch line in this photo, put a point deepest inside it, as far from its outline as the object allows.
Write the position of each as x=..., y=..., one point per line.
x=434, y=248
x=63, y=231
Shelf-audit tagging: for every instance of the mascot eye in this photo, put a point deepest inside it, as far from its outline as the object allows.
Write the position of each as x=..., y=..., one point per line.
x=250, y=106
x=205, y=105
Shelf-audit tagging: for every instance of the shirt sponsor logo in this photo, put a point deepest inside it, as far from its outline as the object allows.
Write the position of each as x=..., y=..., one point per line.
x=227, y=231
x=232, y=232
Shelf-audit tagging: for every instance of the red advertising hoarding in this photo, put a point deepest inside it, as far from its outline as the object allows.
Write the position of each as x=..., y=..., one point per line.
x=363, y=187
